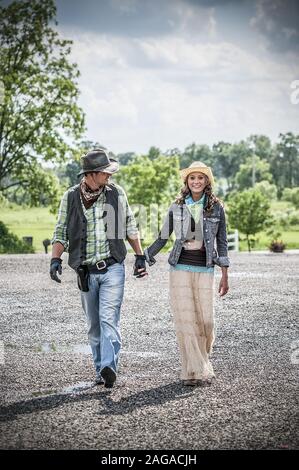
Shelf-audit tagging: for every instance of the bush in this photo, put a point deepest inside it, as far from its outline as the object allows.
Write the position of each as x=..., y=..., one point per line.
x=288, y=219
x=269, y=190
x=10, y=243
x=291, y=195
x=277, y=246
x=294, y=218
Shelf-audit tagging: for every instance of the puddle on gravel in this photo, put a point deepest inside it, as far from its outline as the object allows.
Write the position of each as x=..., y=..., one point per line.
x=141, y=353
x=68, y=390
x=85, y=349
x=80, y=348
x=54, y=347
x=258, y=275
x=44, y=393
x=77, y=388
x=46, y=347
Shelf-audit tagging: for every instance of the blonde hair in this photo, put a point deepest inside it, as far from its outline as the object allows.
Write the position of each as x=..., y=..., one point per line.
x=208, y=191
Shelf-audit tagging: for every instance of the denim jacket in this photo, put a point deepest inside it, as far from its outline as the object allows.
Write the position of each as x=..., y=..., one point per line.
x=178, y=220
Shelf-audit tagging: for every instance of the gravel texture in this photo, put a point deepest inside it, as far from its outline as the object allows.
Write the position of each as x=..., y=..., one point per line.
x=47, y=397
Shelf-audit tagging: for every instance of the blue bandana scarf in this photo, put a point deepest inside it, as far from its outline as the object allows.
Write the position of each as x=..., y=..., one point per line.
x=195, y=207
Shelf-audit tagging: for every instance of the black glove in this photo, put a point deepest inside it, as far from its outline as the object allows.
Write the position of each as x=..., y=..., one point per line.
x=54, y=267
x=140, y=264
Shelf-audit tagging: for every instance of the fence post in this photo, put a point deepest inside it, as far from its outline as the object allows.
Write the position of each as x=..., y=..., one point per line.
x=236, y=240
x=234, y=244
x=28, y=240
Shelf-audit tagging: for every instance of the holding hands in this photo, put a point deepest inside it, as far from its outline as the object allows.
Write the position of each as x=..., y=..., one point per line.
x=139, y=266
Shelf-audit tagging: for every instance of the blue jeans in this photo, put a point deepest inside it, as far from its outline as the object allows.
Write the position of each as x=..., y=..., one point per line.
x=101, y=305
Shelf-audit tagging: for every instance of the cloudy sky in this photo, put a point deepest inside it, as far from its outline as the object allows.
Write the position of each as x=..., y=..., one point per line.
x=171, y=72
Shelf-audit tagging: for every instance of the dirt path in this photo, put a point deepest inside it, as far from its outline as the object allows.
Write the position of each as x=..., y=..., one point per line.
x=47, y=397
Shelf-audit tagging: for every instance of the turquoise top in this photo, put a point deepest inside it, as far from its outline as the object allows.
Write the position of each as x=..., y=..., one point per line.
x=196, y=210
x=192, y=269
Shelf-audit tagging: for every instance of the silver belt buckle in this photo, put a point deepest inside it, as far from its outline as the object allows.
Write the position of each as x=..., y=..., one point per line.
x=102, y=263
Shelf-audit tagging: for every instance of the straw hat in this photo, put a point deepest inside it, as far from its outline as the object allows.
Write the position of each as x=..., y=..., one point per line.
x=198, y=167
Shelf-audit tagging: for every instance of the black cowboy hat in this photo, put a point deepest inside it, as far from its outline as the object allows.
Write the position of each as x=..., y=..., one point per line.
x=98, y=160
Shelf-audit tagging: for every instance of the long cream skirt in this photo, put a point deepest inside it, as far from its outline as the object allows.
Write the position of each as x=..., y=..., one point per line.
x=191, y=299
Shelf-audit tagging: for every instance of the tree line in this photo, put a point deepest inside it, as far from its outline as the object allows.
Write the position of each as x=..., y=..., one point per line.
x=42, y=131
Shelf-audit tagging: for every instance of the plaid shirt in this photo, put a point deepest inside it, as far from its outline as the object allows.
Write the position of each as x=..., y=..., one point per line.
x=97, y=247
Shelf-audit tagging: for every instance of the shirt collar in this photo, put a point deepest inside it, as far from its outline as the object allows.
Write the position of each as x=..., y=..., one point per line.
x=189, y=200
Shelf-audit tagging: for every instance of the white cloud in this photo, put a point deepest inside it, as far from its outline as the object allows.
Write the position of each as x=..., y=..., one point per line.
x=171, y=91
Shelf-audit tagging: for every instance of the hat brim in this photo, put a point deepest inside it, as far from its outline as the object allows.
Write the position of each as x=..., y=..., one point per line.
x=205, y=170
x=112, y=168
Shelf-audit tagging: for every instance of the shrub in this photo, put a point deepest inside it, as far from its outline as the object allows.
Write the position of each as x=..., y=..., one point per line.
x=294, y=218
x=10, y=243
x=291, y=195
x=287, y=219
x=277, y=246
x=269, y=190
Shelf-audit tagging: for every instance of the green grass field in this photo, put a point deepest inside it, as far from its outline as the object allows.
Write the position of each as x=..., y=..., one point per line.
x=38, y=223
x=290, y=238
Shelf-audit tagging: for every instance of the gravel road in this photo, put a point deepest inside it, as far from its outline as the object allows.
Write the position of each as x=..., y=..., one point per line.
x=48, y=400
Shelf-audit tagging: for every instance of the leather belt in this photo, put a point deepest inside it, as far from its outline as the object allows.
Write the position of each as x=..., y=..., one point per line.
x=101, y=266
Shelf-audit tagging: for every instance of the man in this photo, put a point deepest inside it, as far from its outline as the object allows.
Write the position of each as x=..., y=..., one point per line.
x=94, y=220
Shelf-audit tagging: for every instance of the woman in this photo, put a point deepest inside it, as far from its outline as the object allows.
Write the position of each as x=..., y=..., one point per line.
x=198, y=221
